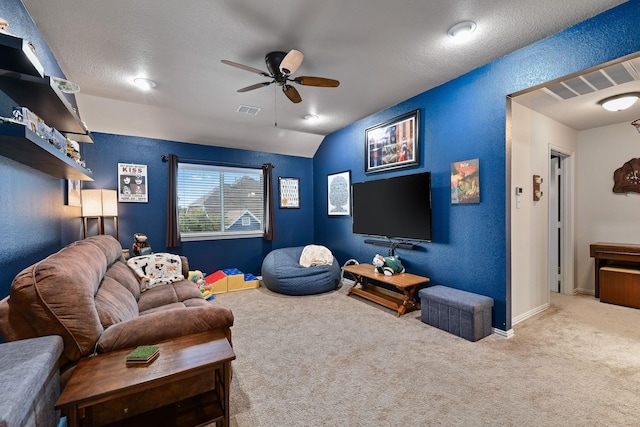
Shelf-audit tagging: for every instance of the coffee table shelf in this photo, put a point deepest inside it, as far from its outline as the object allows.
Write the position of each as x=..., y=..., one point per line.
x=406, y=283
x=187, y=385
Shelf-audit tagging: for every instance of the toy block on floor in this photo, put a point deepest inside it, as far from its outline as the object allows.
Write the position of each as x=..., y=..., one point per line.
x=217, y=282
x=250, y=281
x=235, y=279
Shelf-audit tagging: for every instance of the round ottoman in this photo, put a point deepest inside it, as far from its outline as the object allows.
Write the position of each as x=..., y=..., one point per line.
x=282, y=273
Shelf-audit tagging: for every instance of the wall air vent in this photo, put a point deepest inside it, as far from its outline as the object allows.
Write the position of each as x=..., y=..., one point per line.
x=245, y=109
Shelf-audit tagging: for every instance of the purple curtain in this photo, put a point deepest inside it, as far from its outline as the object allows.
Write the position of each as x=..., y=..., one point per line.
x=173, y=228
x=269, y=218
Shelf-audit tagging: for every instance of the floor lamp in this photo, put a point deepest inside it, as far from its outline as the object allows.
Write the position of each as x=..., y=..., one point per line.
x=98, y=205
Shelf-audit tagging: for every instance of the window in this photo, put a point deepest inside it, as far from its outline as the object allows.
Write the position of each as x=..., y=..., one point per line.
x=219, y=202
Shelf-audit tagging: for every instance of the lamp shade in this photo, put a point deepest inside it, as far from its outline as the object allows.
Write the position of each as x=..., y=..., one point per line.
x=91, y=203
x=109, y=203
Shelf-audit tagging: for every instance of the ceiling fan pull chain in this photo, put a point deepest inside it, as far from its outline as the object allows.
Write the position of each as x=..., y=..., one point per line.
x=275, y=106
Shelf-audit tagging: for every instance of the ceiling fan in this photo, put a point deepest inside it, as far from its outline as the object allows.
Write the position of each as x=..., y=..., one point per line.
x=281, y=66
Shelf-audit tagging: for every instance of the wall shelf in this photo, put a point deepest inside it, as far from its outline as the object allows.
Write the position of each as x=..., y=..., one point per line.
x=17, y=57
x=19, y=143
x=22, y=78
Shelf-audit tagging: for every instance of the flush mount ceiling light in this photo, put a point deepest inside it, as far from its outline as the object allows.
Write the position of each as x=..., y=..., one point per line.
x=144, y=84
x=620, y=102
x=311, y=117
x=462, y=30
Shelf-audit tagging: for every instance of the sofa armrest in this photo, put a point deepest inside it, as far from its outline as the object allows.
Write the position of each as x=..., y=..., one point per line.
x=185, y=266
x=152, y=328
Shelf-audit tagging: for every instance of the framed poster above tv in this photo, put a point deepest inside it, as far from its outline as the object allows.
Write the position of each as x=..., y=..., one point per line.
x=393, y=144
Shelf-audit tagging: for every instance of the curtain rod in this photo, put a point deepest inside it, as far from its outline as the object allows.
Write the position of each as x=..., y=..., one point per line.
x=165, y=158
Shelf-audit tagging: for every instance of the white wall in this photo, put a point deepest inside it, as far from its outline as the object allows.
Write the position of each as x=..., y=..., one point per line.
x=604, y=216
x=532, y=136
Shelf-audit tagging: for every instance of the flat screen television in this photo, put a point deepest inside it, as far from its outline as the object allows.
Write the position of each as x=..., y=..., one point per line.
x=396, y=208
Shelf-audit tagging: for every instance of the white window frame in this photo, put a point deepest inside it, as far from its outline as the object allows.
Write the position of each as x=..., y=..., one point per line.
x=184, y=167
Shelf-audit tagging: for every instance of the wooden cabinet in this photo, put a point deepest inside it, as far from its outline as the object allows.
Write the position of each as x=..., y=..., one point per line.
x=22, y=78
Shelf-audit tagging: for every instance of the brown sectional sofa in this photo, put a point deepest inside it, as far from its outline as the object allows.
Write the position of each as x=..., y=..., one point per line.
x=87, y=294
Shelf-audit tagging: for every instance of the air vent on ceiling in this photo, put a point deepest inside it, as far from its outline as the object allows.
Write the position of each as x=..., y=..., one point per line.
x=614, y=75
x=245, y=109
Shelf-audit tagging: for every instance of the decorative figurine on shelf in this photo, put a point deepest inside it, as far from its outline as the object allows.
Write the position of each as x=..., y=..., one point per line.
x=140, y=245
x=388, y=266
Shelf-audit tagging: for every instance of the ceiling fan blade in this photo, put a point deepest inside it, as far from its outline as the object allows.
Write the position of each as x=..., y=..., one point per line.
x=291, y=62
x=255, y=86
x=316, y=81
x=292, y=93
x=245, y=67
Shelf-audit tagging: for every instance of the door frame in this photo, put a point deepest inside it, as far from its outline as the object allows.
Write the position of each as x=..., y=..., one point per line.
x=567, y=201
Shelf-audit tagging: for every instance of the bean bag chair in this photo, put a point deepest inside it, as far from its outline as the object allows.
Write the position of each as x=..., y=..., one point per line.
x=282, y=273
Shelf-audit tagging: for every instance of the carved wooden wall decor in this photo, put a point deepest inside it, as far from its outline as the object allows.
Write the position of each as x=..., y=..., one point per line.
x=626, y=179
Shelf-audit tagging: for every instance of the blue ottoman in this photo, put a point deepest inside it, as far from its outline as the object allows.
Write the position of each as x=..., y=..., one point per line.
x=282, y=273
x=30, y=383
x=461, y=313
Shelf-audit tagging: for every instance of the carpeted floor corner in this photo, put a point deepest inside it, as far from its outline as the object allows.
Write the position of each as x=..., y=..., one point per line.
x=330, y=359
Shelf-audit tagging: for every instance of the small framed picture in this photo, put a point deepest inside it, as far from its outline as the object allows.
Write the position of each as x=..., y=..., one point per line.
x=339, y=194
x=465, y=182
x=289, y=192
x=73, y=192
x=132, y=183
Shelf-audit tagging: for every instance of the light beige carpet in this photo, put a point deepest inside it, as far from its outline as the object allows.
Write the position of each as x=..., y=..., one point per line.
x=334, y=360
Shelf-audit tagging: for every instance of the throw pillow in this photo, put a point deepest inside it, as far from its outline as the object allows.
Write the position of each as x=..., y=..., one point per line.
x=313, y=255
x=156, y=269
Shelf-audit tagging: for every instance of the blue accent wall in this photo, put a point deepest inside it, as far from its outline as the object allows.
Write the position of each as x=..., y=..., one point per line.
x=466, y=119
x=294, y=227
x=462, y=119
x=34, y=222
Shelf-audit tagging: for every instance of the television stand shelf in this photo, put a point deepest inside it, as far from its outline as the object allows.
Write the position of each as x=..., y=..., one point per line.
x=404, y=282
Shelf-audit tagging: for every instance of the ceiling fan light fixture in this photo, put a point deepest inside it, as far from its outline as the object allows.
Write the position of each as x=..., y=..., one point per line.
x=462, y=30
x=291, y=62
x=620, y=102
x=144, y=84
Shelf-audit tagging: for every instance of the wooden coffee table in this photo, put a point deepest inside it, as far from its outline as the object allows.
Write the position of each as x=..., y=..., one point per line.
x=187, y=385
x=404, y=282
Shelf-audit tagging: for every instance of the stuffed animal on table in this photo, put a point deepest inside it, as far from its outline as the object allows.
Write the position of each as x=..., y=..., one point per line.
x=140, y=245
x=388, y=265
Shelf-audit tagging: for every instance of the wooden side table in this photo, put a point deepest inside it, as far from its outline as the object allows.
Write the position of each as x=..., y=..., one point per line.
x=192, y=372
x=404, y=282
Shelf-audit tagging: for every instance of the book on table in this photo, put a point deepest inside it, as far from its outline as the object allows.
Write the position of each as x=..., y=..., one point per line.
x=143, y=354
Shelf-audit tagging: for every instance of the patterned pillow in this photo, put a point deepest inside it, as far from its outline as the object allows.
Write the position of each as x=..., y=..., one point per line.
x=156, y=269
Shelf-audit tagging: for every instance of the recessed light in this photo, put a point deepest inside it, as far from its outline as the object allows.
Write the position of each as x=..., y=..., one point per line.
x=462, y=30
x=311, y=117
x=144, y=84
x=620, y=102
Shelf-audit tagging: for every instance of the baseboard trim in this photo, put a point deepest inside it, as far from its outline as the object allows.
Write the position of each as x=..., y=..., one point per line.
x=502, y=333
x=529, y=314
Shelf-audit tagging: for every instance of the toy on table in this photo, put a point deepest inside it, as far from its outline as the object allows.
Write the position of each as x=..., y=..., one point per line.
x=388, y=266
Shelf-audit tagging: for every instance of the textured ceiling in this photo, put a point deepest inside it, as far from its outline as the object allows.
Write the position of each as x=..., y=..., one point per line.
x=382, y=52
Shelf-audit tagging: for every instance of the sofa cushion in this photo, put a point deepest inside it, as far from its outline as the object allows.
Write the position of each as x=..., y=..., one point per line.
x=122, y=274
x=115, y=303
x=156, y=269
x=163, y=325
x=162, y=295
x=56, y=295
